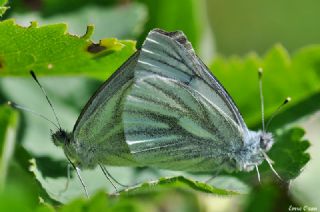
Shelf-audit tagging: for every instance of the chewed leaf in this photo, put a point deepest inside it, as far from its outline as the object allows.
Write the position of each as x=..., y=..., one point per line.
x=114, y=21
x=50, y=50
x=178, y=182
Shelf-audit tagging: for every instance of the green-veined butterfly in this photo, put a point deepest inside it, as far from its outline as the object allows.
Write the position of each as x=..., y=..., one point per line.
x=163, y=108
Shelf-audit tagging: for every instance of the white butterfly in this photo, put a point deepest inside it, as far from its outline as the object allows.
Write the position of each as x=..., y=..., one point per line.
x=163, y=108
x=178, y=116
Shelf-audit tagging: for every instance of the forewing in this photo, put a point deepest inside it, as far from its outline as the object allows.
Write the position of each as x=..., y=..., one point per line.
x=171, y=55
x=99, y=129
x=108, y=89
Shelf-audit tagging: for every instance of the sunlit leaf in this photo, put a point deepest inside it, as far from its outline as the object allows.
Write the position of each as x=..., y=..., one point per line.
x=51, y=50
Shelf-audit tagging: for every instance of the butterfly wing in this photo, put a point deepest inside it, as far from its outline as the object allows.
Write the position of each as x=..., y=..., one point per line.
x=172, y=56
x=99, y=130
x=177, y=115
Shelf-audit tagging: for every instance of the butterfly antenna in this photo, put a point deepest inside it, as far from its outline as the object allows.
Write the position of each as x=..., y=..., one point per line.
x=270, y=162
x=260, y=73
x=19, y=107
x=48, y=100
x=286, y=101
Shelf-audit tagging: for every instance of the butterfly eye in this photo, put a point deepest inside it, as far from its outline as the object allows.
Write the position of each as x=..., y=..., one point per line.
x=65, y=137
x=262, y=143
x=60, y=138
x=56, y=140
x=266, y=141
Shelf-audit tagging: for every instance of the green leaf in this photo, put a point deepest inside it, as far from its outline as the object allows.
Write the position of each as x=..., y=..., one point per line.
x=282, y=77
x=21, y=186
x=13, y=198
x=50, y=50
x=8, y=128
x=3, y=8
x=269, y=197
x=289, y=153
x=152, y=201
x=53, y=7
x=150, y=196
x=21, y=174
x=17, y=198
x=101, y=202
x=175, y=182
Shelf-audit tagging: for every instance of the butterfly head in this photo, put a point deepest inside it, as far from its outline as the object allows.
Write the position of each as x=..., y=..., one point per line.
x=60, y=138
x=253, y=152
x=73, y=152
x=63, y=139
x=265, y=141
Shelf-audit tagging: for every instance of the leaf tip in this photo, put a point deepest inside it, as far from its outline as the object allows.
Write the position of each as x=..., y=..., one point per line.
x=89, y=32
x=33, y=24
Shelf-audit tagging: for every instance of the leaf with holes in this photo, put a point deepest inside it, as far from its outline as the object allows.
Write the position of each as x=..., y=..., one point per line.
x=50, y=50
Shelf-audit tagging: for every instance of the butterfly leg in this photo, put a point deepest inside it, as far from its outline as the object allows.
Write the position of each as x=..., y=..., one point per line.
x=110, y=178
x=68, y=180
x=215, y=174
x=79, y=176
x=258, y=173
x=83, y=185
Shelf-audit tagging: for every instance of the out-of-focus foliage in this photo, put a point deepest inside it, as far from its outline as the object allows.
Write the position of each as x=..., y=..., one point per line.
x=282, y=78
x=270, y=197
x=132, y=18
x=35, y=173
x=53, y=7
x=8, y=127
x=241, y=27
x=170, y=16
x=17, y=183
x=3, y=7
x=185, y=201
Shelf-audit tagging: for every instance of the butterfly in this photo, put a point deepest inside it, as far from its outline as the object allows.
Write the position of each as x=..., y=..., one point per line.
x=163, y=108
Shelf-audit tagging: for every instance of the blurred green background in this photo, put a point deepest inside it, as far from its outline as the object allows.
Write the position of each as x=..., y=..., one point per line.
x=232, y=37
